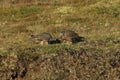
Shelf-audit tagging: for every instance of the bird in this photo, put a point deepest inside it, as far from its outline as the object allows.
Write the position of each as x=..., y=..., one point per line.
x=69, y=36
x=44, y=38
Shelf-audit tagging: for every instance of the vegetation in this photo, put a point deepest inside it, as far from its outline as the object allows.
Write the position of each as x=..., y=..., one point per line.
x=98, y=21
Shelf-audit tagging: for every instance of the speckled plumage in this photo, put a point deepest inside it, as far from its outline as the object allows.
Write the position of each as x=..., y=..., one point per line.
x=44, y=38
x=69, y=36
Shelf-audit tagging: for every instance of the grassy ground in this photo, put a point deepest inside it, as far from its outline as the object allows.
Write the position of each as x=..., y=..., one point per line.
x=98, y=21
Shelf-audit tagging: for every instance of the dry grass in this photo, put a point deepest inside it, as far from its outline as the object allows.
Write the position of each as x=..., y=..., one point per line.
x=98, y=21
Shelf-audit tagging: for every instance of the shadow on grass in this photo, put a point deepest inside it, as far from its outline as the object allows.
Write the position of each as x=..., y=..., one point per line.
x=79, y=39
